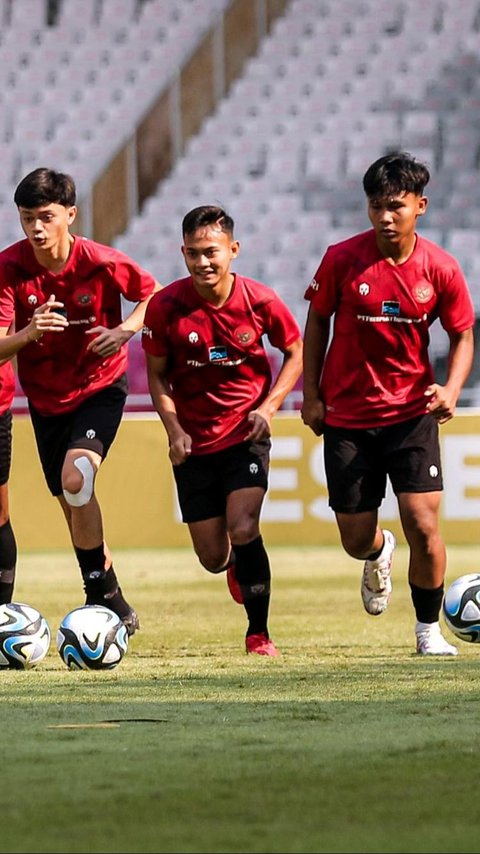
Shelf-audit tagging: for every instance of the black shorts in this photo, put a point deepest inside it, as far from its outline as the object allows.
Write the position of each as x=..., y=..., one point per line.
x=357, y=463
x=204, y=481
x=5, y=446
x=92, y=425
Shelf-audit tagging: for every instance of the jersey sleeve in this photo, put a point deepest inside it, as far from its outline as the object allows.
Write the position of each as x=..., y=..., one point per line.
x=154, y=337
x=7, y=300
x=283, y=328
x=322, y=290
x=133, y=281
x=456, y=310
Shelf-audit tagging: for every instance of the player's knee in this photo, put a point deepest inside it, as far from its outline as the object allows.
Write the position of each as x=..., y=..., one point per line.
x=213, y=561
x=244, y=531
x=78, y=488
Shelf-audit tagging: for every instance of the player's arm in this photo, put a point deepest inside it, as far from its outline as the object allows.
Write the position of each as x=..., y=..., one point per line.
x=443, y=399
x=106, y=342
x=179, y=441
x=261, y=418
x=317, y=330
x=44, y=319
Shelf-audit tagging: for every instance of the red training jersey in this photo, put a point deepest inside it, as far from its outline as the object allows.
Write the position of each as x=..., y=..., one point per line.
x=7, y=381
x=377, y=366
x=56, y=372
x=217, y=365
x=7, y=386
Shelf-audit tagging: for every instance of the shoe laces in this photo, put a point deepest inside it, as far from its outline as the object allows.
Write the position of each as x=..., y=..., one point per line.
x=376, y=576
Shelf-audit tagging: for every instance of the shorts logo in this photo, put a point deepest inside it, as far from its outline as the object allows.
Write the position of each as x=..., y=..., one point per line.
x=32, y=299
x=253, y=468
x=423, y=293
x=193, y=337
x=391, y=308
x=433, y=471
x=244, y=334
x=90, y=434
x=364, y=289
x=217, y=354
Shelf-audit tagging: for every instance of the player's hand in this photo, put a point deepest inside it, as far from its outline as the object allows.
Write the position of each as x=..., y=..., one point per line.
x=46, y=319
x=313, y=415
x=259, y=426
x=180, y=449
x=106, y=342
x=441, y=404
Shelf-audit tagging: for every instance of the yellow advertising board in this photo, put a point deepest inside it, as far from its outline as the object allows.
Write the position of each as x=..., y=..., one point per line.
x=137, y=492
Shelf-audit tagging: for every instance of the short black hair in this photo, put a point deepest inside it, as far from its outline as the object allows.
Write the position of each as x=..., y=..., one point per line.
x=207, y=215
x=394, y=173
x=44, y=187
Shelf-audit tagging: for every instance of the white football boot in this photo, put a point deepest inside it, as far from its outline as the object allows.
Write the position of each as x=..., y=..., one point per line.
x=376, y=584
x=430, y=640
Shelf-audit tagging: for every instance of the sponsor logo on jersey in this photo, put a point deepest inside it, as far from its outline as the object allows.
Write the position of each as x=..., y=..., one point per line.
x=391, y=308
x=217, y=354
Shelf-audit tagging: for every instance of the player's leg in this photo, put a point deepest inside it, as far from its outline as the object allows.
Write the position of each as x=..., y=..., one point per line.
x=252, y=565
x=356, y=480
x=94, y=427
x=8, y=545
x=8, y=549
x=419, y=513
x=245, y=469
x=205, y=486
x=362, y=538
x=202, y=504
x=416, y=473
x=71, y=448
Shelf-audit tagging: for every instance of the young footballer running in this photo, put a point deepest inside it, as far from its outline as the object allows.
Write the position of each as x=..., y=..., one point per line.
x=211, y=383
x=72, y=368
x=371, y=392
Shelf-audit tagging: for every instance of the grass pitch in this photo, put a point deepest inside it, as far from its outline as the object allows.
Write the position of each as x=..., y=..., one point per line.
x=348, y=742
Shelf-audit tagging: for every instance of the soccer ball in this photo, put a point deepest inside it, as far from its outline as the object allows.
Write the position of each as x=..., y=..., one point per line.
x=24, y=636
x=461, y=607
x=92, y=638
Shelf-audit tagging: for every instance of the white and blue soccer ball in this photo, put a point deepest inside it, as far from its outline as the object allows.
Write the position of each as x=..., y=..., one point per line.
x=24, y=636
x=92, y=637
x=461, y=607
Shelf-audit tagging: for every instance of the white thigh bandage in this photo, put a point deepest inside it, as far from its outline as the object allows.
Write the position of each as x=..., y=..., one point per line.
x=78, y=499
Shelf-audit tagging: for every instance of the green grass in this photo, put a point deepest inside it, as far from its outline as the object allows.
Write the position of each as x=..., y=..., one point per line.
x=348, y=742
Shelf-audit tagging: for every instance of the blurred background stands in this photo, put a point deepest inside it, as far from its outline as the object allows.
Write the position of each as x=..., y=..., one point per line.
x=275, y=116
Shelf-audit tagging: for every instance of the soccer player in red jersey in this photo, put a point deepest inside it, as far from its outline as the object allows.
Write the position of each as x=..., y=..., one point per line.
x=211, y=383
x=371, y=390
x=73, y=368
